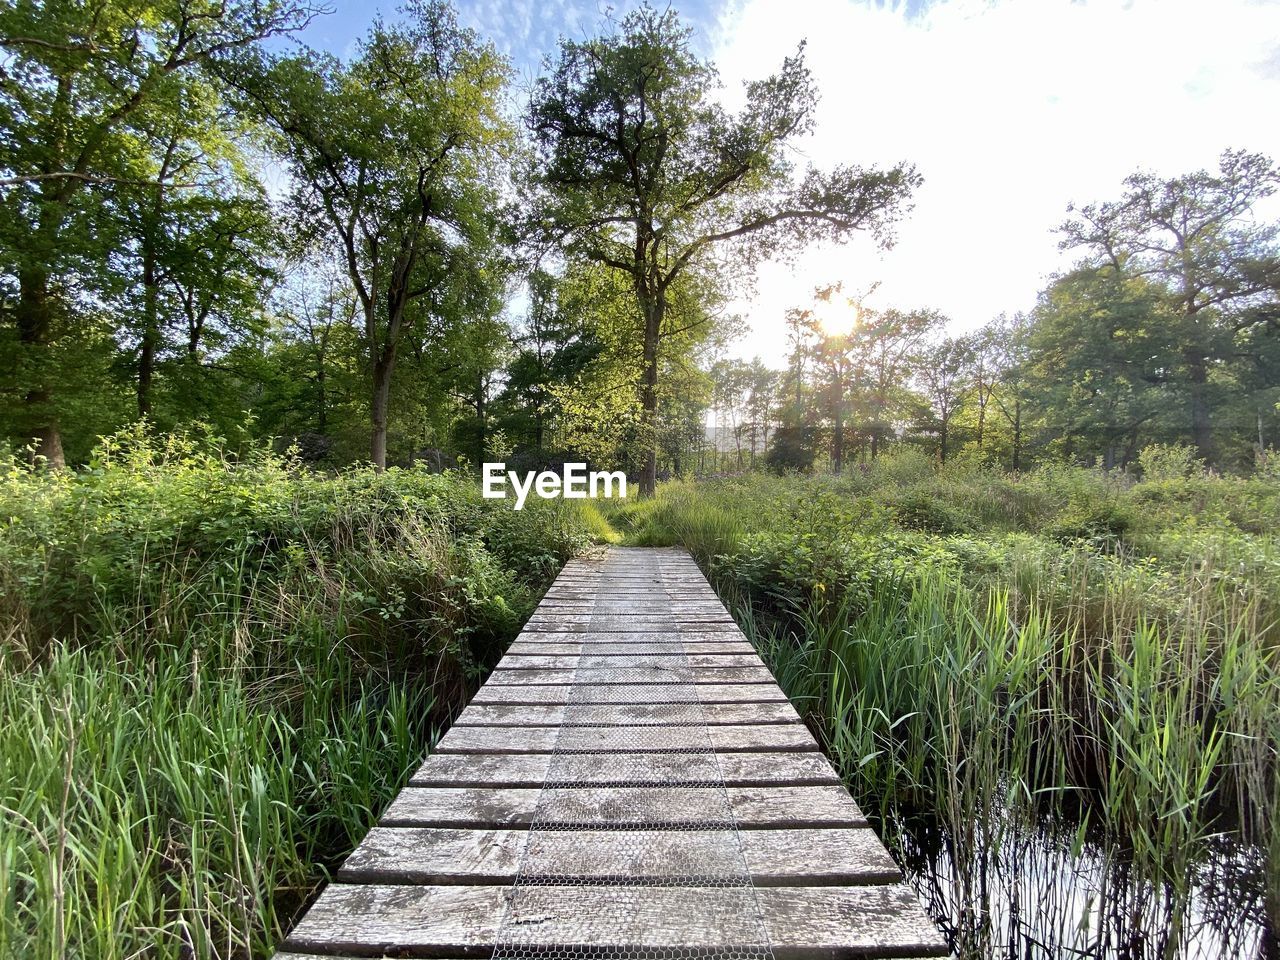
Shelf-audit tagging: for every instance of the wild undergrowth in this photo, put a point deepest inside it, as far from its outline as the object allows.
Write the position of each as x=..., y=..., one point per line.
x=1065, y=648
x=215, y=673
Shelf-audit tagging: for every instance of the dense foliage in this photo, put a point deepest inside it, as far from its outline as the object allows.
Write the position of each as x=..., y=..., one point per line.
x=363, y=256
x=214, y=674
x=1068, y=649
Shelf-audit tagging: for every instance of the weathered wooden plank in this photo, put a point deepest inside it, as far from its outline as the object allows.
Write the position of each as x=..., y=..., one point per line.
x=762, y=738
x=428, y=855
x=801, y=923
x=462, y=807
x=638, y=603
x=626, y=715
x=533, y=769
x=846, y=922
x=753, y=808
x=688, y=591
x=621, y=606
x=692, y=675
x=606, y=648
x=551, y=693
x=591, y=661
x=625, y=624
x=603, y=636
x=514, y=662
x=609, y=619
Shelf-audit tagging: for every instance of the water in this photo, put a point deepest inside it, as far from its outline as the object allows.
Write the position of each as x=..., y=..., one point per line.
x=1026, y=891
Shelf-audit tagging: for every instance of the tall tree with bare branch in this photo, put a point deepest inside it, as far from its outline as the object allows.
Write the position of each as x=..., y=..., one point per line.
x=639, y=167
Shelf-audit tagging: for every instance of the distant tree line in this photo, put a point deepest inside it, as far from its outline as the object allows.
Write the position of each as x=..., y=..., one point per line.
x=386, y=257
x=1166, y=331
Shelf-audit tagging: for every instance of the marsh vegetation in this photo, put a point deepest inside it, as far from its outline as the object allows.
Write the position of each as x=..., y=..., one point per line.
x=215, y=674
x=1058, y=692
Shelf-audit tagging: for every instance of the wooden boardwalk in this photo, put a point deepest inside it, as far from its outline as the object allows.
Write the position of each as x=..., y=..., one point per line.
x=640, y=653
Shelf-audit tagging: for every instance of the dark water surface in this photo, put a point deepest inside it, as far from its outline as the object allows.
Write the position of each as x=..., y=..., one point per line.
x=1040, y=891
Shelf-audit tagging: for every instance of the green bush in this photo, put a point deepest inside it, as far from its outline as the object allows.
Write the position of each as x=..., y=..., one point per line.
x=1169, y=461
x=224, y=669
x=920, y=508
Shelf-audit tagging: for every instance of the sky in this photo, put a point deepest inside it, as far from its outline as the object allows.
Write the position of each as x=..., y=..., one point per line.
x=1010, y=109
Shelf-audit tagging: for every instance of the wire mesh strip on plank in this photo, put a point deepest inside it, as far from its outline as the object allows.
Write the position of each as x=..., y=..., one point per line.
x=633, y=851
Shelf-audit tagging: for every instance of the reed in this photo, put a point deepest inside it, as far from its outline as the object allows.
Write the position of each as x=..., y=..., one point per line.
x=215, y=673
x=1054, y=707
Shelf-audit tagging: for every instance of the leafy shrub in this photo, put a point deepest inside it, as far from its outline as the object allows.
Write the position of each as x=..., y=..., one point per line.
x=238, y=663
x=1169, y=461
x=919, y=508
x=1101, y=522
x=900, y=467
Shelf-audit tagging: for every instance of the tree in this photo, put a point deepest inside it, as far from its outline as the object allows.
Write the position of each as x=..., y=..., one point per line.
x=1101, y=356
x=988, y=355
x=887, y=343
x=792, y=447
x=833, y=354
x=869, y=356
x=1011, y=396
x=553, y=345
x=197, y=237
x=393, y=156
x=639, y=168
x=762, y=387
x=1195, y=235
x=730, y=390
x=944, y=374
x=77, y=84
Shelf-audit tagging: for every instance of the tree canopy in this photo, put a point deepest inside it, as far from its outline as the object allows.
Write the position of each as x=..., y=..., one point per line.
x=639, y=168
x=397, y=256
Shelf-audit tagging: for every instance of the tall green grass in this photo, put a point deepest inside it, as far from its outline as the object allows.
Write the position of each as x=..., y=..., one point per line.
x=1085, y=657
x=214, y=674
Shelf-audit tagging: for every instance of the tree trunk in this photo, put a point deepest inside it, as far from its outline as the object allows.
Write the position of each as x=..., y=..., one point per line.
x=653, y=309
x=837, y=446
x=942, y=434
x=382, y=369
x=150, y=329
x=1017, y=435
x=1201, y=424
x=151, y=227
x=322, y=400
x=1130, y=449
x=482, y=424
x=34, y=316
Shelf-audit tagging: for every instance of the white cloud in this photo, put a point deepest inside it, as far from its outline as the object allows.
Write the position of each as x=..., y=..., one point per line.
x=1010, y=111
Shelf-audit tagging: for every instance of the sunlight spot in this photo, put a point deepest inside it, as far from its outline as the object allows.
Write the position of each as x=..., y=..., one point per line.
x=838, y=316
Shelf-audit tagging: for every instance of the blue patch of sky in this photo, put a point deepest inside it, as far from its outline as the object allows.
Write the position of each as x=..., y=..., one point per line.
x=523, y=30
